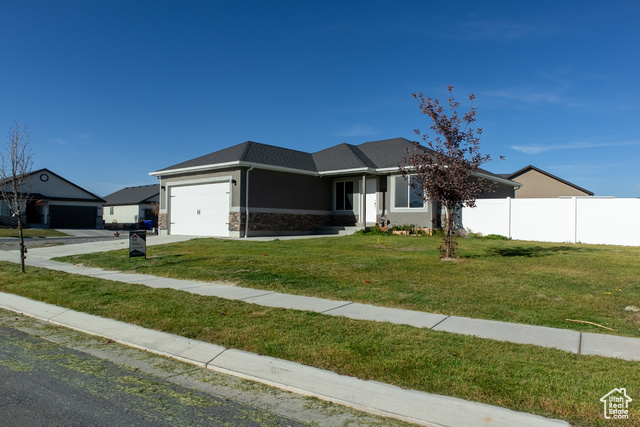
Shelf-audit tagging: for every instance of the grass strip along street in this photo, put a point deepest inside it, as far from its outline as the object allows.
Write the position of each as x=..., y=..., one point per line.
x=513, y=281
x=32, y=232
x=526, y=378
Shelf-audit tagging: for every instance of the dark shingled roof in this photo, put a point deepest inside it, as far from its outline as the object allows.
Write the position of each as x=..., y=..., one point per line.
x=133, y=195
x=341, y=157
x=253, y=152
x=386, y=153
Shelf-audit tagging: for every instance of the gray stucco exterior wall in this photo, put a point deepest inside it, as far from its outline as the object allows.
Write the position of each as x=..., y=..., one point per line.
x=278, y=190
x=419, y=217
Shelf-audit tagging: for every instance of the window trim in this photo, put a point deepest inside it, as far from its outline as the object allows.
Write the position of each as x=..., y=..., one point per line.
x=355, y=192
x=392, y=201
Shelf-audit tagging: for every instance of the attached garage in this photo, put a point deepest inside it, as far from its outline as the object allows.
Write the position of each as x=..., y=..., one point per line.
x=63, y=216
x=56, y=202
x=200, y=209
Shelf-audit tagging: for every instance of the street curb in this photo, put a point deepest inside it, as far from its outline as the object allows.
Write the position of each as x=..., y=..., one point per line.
x=370, y=396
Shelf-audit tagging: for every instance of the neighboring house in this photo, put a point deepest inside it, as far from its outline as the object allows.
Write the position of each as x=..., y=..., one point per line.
x=57, y=203
x=538, y=183
x=131, y=205
x=283, y=191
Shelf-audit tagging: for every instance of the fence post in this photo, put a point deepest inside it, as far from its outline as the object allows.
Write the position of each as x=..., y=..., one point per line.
x=575, y=219
x=509, y=217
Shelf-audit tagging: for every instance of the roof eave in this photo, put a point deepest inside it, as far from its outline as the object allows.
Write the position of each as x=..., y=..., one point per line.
x=476, y=174
x=237, y=163
x=497, y=179
x=348, y=171
x=200, y=168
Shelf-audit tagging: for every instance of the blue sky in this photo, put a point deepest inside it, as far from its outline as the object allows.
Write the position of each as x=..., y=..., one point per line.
x=113, y=90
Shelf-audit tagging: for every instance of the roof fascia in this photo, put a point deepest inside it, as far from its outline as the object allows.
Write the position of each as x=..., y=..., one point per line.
x=236, y=163
x=348, y=171
x=279, y=169
x=476, y=174
x=71, y=183
x=497, y=179
x=388, y=170
x=33, y=173
x=200, y=168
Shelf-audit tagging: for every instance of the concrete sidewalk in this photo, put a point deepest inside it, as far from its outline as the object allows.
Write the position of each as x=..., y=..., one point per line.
x=563, y=339
x=371, y=396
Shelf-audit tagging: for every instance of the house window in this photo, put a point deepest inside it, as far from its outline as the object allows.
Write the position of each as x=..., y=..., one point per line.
x=110, y=210
x=405, y=196
x=344, y=196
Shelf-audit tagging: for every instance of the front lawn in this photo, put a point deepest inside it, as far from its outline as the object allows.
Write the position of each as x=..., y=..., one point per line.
x=514, y=281
x=526, y=378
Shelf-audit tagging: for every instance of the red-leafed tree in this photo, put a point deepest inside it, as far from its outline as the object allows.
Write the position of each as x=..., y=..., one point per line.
x=444, y=174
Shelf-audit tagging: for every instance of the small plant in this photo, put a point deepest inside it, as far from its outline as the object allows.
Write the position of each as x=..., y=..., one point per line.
x=405, y=227
x=375, y=231
x=495, y=237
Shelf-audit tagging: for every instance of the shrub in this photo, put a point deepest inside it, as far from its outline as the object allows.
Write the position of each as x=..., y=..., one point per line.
x=375, y=230
x=496, y=237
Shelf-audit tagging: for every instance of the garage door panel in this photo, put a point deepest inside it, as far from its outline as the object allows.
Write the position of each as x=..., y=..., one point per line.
x=200, y=210
x=64, y=216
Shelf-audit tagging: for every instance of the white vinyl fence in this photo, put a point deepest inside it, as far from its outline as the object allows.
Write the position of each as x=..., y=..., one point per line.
x=572, y=219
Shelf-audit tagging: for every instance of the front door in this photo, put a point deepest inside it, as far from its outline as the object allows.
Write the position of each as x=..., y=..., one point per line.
x=372, y=202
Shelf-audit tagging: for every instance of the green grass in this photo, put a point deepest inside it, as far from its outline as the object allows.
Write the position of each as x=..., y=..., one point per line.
x=526, y=378
x=31, y=232
x=514, y=281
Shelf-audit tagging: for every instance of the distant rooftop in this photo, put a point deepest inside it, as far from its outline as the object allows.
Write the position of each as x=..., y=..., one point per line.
x=133, y=195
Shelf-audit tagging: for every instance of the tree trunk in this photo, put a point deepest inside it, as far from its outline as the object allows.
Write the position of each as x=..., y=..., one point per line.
x=23, y=249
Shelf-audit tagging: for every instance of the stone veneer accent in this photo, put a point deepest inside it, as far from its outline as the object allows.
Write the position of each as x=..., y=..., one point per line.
x=278, y=222
x=282, y=222
x=235, y=218
x=162, y=221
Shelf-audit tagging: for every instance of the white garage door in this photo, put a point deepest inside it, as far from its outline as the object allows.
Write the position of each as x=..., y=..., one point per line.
x=200, y=210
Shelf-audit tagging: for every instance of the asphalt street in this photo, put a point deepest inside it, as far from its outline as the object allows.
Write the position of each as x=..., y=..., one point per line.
x=51, y=376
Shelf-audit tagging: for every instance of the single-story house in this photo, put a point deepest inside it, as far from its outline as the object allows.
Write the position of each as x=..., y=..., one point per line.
x=56, y=202
x=131, y=205
x=538, y=183
x=253, y=189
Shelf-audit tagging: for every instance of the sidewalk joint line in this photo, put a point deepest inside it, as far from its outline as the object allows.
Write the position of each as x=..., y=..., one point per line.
x=256, y=296
x=50, y=319
x=188, y=287
x=440, y=322
x=206, y=365
x=335, y=308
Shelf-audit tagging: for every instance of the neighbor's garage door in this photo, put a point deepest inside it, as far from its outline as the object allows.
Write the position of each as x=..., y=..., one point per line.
x=73, y=216
x=200, y=210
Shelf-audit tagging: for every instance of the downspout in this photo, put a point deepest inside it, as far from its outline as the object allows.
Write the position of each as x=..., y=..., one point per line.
x=246, y=205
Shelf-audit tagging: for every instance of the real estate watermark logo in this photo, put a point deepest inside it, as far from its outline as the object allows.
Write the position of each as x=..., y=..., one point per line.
x=616, y=404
